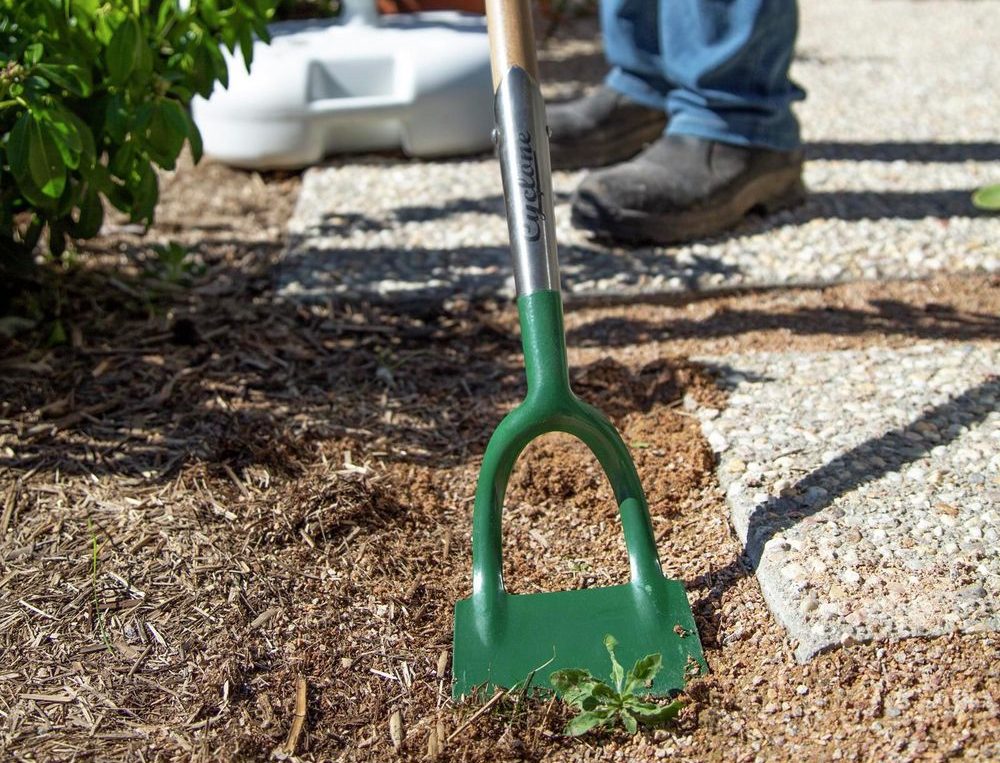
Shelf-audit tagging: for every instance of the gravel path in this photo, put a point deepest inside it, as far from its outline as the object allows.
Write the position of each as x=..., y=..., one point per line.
x=865, y=486
x=900, y=128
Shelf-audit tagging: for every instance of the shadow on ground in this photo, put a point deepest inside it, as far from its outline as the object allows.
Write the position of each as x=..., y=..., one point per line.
x=904, y=151
x=224, y=373
x=891, y=317
x=401, y=272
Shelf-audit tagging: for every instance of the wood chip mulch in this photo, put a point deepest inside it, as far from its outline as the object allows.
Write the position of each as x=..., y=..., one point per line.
x=233, y=528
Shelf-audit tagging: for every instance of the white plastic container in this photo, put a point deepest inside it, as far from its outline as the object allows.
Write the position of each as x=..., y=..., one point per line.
x=419, y=82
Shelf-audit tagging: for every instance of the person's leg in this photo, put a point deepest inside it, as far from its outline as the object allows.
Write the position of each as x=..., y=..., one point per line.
x=632, y=37
x=732, y=144
x=618, y=119
x=728, y=61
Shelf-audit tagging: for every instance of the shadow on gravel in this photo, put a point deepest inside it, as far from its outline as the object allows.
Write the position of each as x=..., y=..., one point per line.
x=401, y=275
x=853, y=206
x=887, y=453
x=343, y=223
x=878, y=205
x=899, y=151
x=886, y=317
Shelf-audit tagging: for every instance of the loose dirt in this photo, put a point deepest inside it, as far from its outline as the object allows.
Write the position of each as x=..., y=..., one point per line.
x=207, y=494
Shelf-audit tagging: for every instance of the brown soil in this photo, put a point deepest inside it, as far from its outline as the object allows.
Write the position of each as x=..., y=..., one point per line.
x=208, y=493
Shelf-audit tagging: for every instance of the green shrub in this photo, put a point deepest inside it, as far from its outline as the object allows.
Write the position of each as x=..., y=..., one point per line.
x=93, y=95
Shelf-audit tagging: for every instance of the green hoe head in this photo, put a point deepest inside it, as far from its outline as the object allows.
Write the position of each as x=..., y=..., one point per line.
x=502, y=639
x=529, y=636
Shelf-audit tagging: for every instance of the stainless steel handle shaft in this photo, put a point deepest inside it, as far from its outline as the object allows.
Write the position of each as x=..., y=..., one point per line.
x=523, y=144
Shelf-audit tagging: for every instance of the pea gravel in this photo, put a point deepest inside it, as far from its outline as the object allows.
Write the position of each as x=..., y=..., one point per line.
x=900, y=128
x=865, y=487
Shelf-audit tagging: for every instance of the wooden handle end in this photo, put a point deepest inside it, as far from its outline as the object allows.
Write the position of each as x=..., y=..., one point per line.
x=512, y=37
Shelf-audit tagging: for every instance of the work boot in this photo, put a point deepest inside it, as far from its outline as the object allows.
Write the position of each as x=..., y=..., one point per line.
x=683, y=188
x=602, y=128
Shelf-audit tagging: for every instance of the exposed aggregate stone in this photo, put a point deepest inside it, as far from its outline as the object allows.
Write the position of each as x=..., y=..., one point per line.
x=865, y=487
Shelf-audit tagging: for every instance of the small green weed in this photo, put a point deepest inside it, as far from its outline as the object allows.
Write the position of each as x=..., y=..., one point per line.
x=987, y=198
x=602, y=705
x=99, y=616
x=175, y=264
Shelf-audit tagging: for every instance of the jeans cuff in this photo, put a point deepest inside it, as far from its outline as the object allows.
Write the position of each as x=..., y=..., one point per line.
x=776, y=134
x=639, y=89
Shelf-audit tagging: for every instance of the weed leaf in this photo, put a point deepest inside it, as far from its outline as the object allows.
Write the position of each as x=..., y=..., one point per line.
x=576, y=687
x=643, y=672
x=987, y=198
x=617, y=673
x=652, y=714
x=566, y=680
x=584, y=722
x=631, y=726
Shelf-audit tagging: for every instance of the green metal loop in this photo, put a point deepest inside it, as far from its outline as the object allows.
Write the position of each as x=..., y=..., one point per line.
x=551, y=406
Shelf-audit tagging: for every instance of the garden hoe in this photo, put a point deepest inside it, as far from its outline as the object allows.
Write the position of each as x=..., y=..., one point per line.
x=502, y=639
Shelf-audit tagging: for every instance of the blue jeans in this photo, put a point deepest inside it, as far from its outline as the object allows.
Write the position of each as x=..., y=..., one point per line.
x=719, y=68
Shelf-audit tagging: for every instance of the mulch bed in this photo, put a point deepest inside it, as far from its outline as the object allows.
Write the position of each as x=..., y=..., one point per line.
x=211, y=500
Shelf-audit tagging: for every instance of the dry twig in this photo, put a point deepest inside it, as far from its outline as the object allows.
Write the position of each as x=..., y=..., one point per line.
x=299, y=719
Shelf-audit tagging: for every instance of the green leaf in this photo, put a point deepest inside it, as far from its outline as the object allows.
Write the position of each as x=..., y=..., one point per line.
x=569, y=679
x=246, y=47
x=643, y=672
x=33, y=195
x=91, y=215
x=219, y=66
x=652, y=714
x=629, y=720
x=166, y=14
x=116, y=118
x=103, y=30
x=33, y=53
x=99, y=177
x=202, y=70
x=45, y=163
x=57, y=335
x=605, y=694
x=65, y=135
x=584, y=722
x=174, y=115
x=123, y=52
x=88, y=151
x=143, y=61
x=17, y=146
x=121, y=160
x=144, y=193
x=71, y=77
x=165, y=132
x=577, y=687
x=987, y=198
x=19, y=158
x=210, y=12
x=194, y=138
x=617, y=673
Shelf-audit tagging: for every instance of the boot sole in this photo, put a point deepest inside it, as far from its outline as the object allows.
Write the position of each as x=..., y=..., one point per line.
x=600, y=151
x=768, y=194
